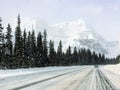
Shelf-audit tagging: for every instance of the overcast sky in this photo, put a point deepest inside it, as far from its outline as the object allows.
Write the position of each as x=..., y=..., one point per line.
x=102, y=15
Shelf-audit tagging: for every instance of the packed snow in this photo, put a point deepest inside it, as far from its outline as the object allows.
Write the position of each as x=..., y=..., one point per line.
x=17, y=72
x=113, y=68
x=62, y=78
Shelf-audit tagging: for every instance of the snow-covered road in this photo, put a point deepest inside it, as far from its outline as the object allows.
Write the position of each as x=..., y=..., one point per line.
x=60, y=78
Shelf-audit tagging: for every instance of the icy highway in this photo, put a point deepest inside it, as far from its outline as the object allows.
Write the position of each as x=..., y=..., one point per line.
x=60, y=78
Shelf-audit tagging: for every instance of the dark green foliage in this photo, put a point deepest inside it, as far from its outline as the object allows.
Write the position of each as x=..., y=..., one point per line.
x=2, y=46
x=39, y=50
x=59, y=50
x=9, y=43
x=45, y=49
x=52, y=53
x=18, y=50
x=68, y=58
x=118, y=59
x=33, y=44
x=24, y=43
x=28, y=45
x=75, y=56
x=39, y=45
x=33, y=49
x=60, y=54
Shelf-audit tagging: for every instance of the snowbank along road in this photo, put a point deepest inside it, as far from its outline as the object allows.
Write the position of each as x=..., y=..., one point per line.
x=60, y=78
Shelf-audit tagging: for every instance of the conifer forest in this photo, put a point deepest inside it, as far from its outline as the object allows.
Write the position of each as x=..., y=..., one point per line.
x=26, y=50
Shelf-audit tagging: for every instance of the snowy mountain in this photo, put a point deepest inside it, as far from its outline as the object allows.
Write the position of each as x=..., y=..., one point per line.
x=78, y=33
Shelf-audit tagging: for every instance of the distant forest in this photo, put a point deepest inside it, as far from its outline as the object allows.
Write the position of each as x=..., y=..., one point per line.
x=30, y=51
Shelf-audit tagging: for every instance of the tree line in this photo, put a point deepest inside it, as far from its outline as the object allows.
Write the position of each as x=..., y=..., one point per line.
x=29, y=50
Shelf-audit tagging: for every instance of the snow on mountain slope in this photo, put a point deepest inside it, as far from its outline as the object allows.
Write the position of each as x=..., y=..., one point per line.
x=77, y=33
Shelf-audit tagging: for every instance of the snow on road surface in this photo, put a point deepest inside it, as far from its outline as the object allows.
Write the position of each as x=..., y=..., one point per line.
x=60, y=78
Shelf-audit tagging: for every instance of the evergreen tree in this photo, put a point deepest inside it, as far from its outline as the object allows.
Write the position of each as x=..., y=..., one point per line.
x=28, y=45
x=29, y=51
x=33, y=49
x=9, y=43
x=45, y=50
x=79, y=57
x=2, y=45
x=83, y=56
x=93, y=57
x=68, y=56
x=45, y=61
x=24, y=42
x=59, y=54
x=89, y=57
x=18, y=51
x=24, y=62
x=103, y=58
x=100, y=59
x=75, y=56
x=59, y=50
x=39, y=44
x=52, y=53
x=33, y=44
x=39, y=50
x=118, y=59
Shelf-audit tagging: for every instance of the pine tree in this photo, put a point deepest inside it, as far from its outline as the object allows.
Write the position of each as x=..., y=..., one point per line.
x=2, y=45
x=45, y=50
x=100, y=59
x=18, y=51
x=82, y=55
x=28, y=46
x=59, y=50
x=75, y=56
x=39, y=44
x=52, y=53
x=45, y=61
x=59, y=54
x=33, y=49
x=8, y=37
x=68, y=56
x=118, y=59
x=33, y=44
x=93, y=57
x=89, y=57
x=39, y=50
x=24, y=42
x=79, y=57
x=103, y=58
x=29, y=51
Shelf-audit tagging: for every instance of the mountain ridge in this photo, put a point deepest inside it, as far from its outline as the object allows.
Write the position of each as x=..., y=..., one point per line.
x=77, y=33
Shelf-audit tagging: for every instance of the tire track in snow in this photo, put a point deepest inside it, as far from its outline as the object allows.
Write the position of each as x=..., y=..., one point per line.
x=71, y=82
x=103, y=83
x=85, y=84
x=46, y=79
x=10, y=82
x=86, y=75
